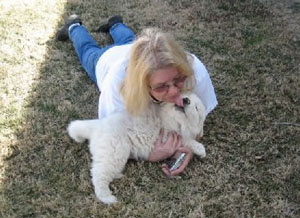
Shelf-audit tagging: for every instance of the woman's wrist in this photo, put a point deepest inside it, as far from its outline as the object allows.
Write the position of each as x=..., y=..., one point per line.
x=151, y=157
x=158, y=155
x=154, y=157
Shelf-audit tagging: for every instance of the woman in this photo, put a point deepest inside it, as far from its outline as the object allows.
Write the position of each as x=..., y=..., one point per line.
x=133, y=73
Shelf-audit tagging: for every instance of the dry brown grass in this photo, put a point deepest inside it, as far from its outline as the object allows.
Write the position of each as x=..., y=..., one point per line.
x=252, y=169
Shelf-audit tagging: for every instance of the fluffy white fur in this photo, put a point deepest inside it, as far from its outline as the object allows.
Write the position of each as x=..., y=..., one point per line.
x=115, y=139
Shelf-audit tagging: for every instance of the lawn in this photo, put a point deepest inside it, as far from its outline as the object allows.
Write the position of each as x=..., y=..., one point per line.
x=252, y=169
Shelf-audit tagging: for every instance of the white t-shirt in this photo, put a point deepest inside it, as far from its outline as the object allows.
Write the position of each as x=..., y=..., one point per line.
x=110, y=72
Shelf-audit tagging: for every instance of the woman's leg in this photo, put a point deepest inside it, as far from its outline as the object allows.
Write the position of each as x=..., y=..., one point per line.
x=89, y=51
x=86, y=48
x=121, y=34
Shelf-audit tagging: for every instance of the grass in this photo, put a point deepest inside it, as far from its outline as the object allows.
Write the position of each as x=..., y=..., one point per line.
x=251, y=49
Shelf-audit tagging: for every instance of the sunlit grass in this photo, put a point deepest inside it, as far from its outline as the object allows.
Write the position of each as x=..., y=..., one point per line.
x=25, y=27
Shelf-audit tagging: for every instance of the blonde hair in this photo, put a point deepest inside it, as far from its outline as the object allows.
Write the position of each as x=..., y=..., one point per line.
x=152, y=50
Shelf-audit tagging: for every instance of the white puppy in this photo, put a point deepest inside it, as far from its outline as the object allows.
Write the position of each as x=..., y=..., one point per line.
x=115, y=139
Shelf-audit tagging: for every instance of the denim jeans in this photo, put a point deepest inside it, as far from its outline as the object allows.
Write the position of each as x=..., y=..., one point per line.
x=89, y=51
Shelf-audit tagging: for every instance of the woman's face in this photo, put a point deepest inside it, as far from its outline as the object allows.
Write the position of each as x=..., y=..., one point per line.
x=165, y=85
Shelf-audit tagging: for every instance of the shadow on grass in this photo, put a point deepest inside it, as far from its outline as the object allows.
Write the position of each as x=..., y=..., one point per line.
x=250, y=160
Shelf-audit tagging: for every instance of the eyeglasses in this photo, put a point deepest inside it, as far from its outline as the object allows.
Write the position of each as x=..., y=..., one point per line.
x=177, y=82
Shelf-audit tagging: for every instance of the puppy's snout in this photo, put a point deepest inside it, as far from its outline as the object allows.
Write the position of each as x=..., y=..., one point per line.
x=186, y=101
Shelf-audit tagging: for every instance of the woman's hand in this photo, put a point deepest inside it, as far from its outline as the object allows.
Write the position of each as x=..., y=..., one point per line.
x=187, y=159
x=165, y=150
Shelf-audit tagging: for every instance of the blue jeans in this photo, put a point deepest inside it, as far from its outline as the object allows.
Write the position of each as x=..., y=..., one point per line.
x=89, y=51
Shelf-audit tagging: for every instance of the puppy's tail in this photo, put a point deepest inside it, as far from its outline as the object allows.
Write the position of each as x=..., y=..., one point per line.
x=80, y=130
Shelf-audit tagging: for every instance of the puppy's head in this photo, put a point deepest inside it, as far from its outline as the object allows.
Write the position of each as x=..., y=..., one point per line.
x=191, y=116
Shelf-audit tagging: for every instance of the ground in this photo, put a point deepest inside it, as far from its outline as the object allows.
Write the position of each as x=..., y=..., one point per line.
x=252, y=168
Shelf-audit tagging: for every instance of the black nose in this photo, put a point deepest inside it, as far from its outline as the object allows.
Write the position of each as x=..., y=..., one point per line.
x=186, y=101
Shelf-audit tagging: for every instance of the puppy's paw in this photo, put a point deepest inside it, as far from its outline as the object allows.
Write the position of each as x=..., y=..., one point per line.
x=108, y=200
x=200, y=151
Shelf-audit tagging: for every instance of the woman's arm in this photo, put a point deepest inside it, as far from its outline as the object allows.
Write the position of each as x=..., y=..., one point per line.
x=204, y=87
